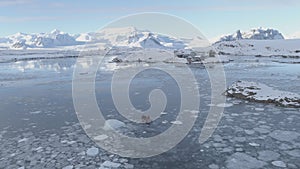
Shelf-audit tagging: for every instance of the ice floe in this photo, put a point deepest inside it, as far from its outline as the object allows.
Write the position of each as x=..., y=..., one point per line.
x=92, y=151
x=101, y=137
x=109, y=164
x=68, y=167
x=294, y=153
x=245, y=161
x=176, y=122
x=284, y=135
x=268, y=155
x=113, y=124
x=280, y=164
x=259, y=92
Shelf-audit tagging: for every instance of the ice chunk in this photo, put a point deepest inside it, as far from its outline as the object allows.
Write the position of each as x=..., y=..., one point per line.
x=213, y=166
x=268, y=155
x=225, y=105
x=92, y=151
x=279, y=164
x=113, y=124
x=68, y=167
x=176, y=122
x=259, y=109
x=163, y=113
x=101, y=137
x=164, y=122
x=110, y=164
x=254, y=144
x=284, y=135
x=249, y=132
x=35, y=112
x=242, y=160
x=294, y=153
x=23, y=140
x=128, y=166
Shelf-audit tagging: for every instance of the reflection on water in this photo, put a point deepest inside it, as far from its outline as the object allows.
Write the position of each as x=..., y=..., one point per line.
x=42, y=65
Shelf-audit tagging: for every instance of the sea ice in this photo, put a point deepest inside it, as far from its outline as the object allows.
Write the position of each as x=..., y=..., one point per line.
x=68, y=167
x=280, y=164
x=176, y=122
x=92, y=151
x=109, y=164
x=294, y=153
x=284, y=135
x=259, y=92
x=268, y=155
x=224, y=105
x=35, y=112
x=113, y=124
x=101, y=137
x=254, y=144
x=242, y=160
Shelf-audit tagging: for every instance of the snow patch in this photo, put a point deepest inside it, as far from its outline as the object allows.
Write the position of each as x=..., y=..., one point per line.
x=285, y=48
x=259, y=92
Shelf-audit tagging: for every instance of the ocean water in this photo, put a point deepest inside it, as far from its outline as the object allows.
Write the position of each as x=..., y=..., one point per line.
x=39, y=127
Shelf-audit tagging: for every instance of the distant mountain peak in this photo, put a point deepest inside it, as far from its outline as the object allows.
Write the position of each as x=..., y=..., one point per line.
x=119, y=30
x=56, y=31
x=254, y=34
x=239, y=35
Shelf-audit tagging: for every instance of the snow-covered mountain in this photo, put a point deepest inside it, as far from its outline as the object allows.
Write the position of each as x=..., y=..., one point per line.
x=258, y=42
x=131, y=37
x=39, y=40
x=109, y=37
x=254, y=34
x=264, y=42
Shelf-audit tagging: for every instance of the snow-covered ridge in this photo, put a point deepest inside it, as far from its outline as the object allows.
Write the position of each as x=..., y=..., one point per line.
x=38, y=40
x=283, y=47
x=254, y=34
x=258, y=42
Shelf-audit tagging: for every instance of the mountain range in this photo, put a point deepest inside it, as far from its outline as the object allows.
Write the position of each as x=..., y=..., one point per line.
x=254, y=34
x=127, y=36
x=122, y=37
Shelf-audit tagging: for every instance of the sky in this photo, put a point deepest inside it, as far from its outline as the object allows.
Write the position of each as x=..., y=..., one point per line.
x=212, y=17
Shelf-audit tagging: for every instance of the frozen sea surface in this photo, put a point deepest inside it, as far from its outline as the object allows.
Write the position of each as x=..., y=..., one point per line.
x=39, y=127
